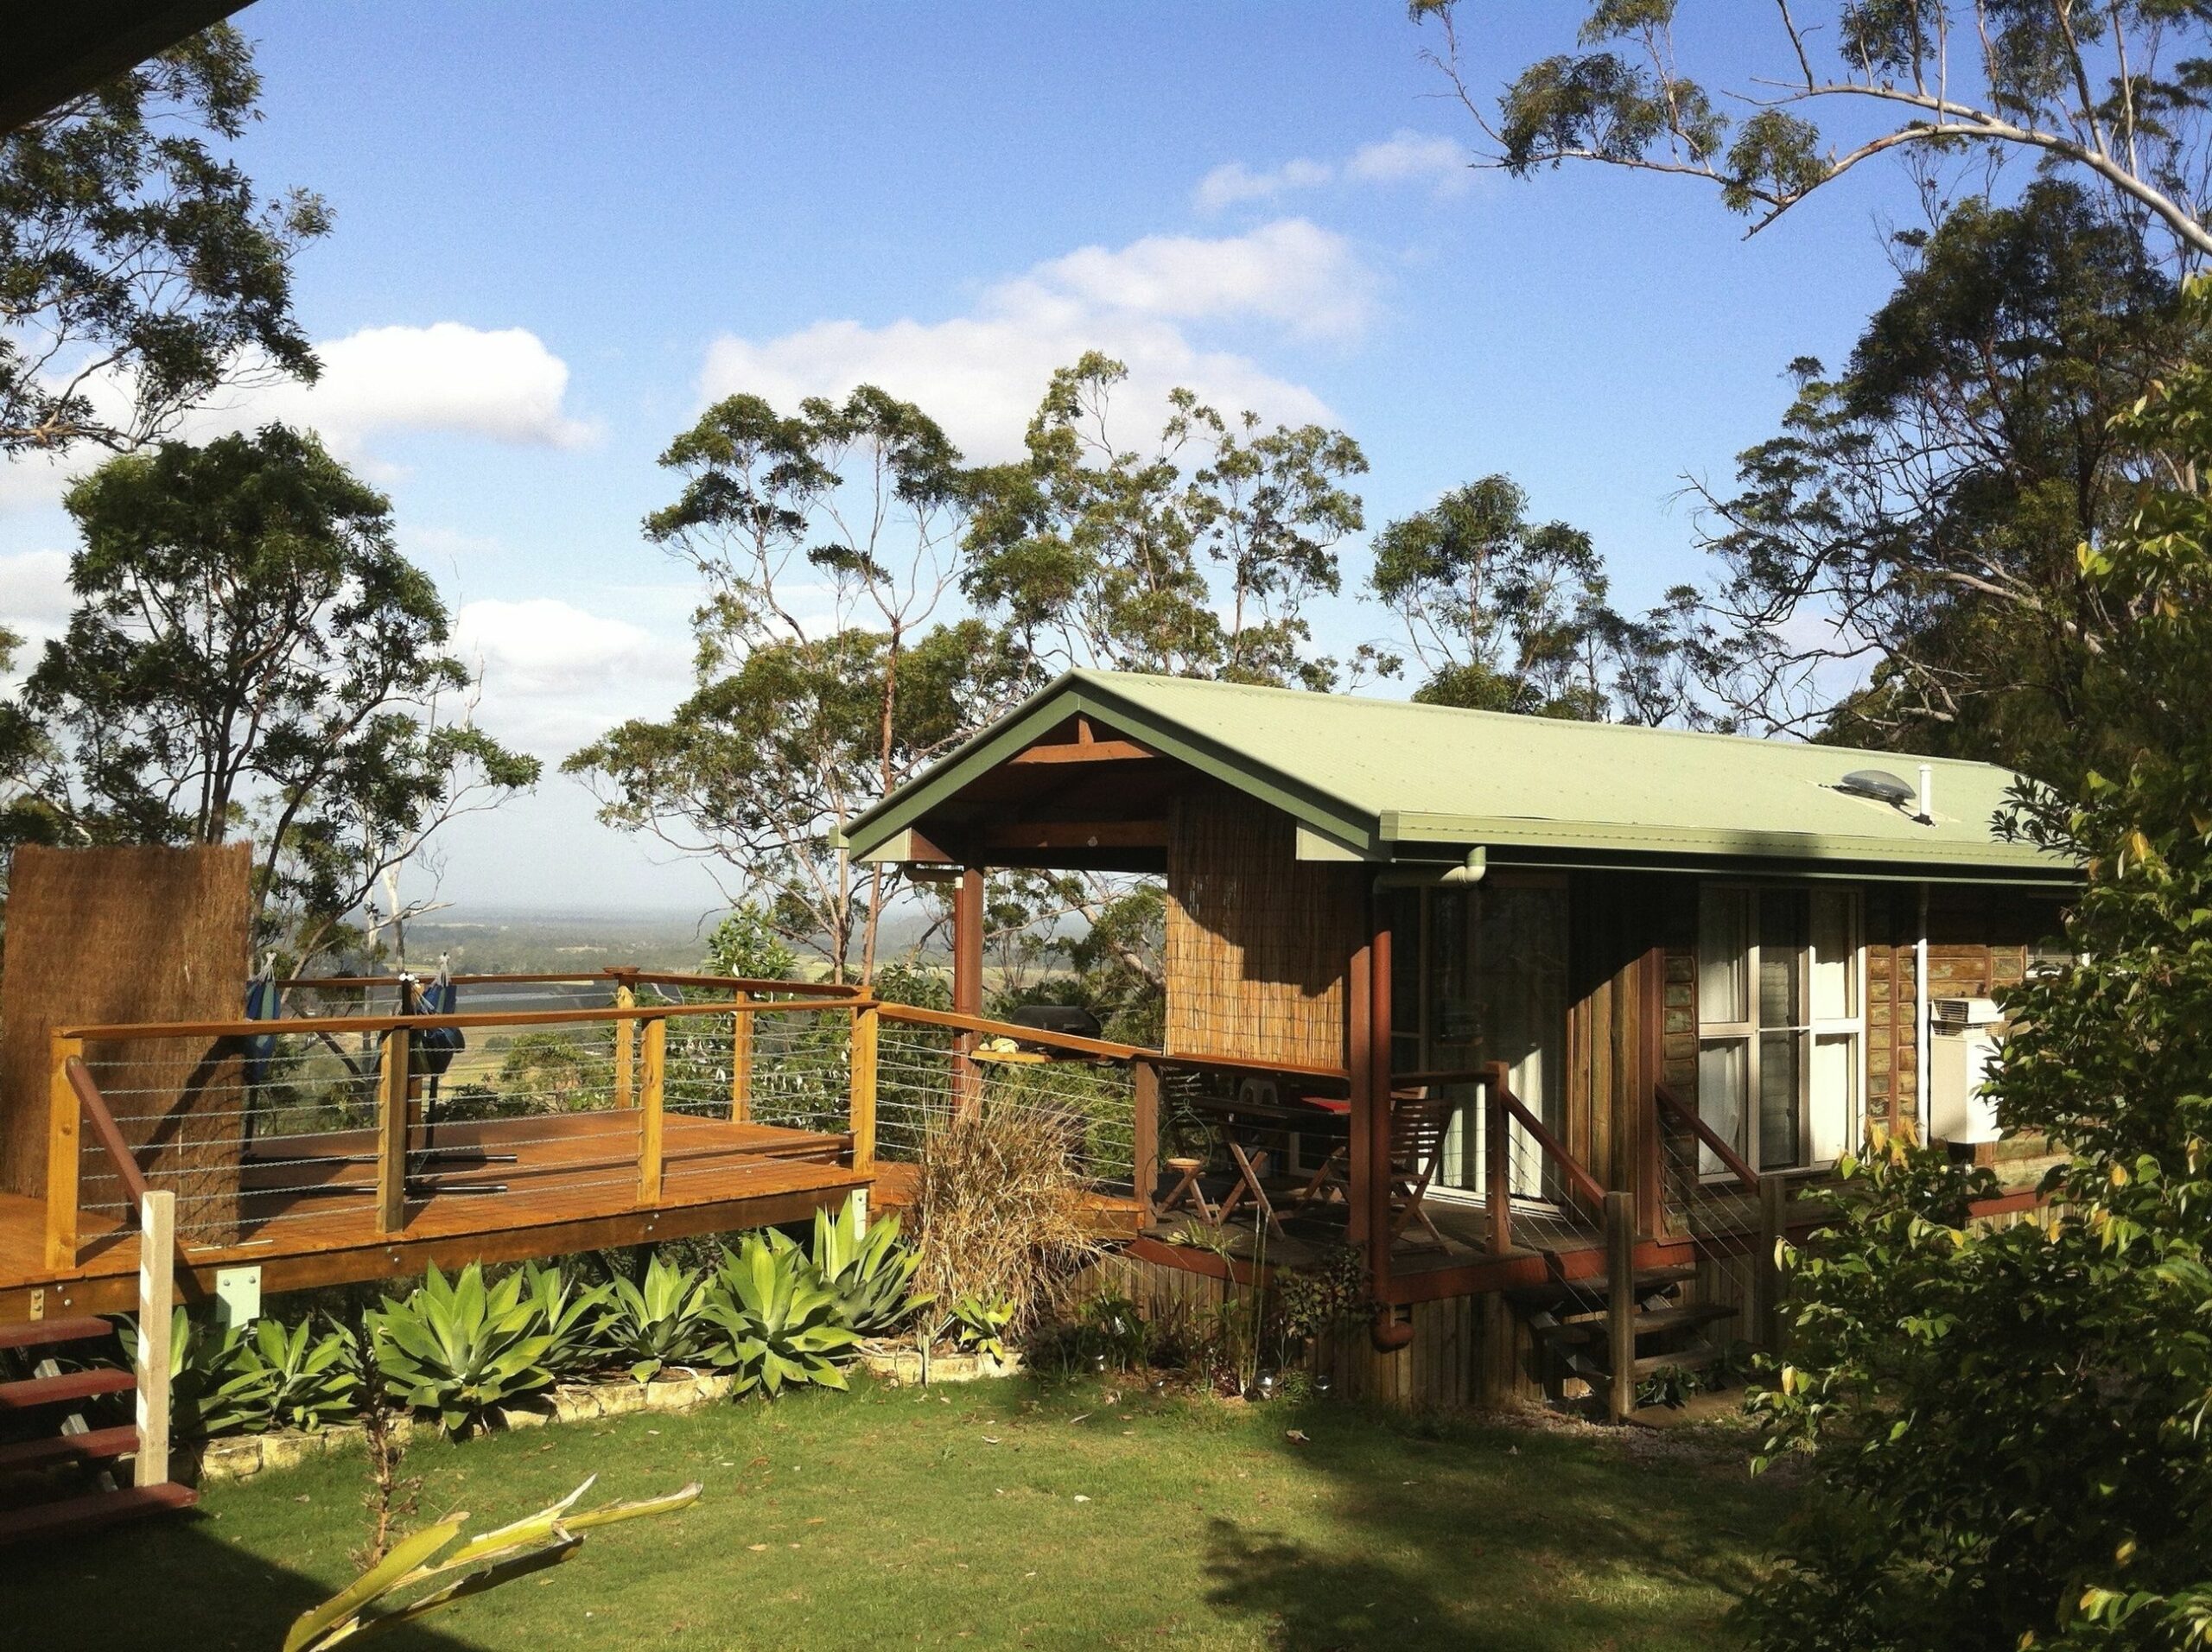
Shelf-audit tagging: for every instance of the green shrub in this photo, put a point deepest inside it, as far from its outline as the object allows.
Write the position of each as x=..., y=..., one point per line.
x=659, y=1320
x=780, y=1323
x=312, y=1381
x=980, y=1325
x=216, y=1385
x=574, y=1316
x=462, y=1349
x=870, y=1273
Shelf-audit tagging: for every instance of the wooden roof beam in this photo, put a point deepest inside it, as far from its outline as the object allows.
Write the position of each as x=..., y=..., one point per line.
x=1077, y=835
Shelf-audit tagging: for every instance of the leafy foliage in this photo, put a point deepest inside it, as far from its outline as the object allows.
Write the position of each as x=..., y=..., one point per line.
x=461, y=1348
x=134, y=259
x=312, y=1380
x=869, y=1272
x=659, y=1319
x=981, y=1325
x=779, y=1324
x=2008, y=1427
x=574, y=1318
x=217, y=1384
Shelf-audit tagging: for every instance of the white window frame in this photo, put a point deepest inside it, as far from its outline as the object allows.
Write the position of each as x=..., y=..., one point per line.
x=1746, y=1031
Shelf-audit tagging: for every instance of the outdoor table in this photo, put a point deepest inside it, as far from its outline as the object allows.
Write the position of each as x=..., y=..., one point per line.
x=1240, y=1121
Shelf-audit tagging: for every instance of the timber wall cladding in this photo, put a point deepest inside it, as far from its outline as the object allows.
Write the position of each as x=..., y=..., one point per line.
x=108, y=935
x=1258, y=941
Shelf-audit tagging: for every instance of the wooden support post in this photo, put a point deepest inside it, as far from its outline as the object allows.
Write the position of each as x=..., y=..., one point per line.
x=1379, y=997
x=1144, y=1102
x=966, y=985
x=1498, y=1160
x=393, y=1134
x=861, y=1118
x=1620, y=1303
x=740, y=1062
x=625, y=1049
x=1774, y=1229
x=651, y=1111
x=1649, y=1155
x=62, y=1136
x=156, y=1300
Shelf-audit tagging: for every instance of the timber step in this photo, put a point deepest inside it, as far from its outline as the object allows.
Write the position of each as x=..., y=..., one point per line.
x=35, y=1391
x=93, y=1446
x=1648, y=1322
x=72, y=1517
x=1585, y=1293
x=49, y=1333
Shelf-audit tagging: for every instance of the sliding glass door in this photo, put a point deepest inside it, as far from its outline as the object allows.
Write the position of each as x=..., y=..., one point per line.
x=1480, y=976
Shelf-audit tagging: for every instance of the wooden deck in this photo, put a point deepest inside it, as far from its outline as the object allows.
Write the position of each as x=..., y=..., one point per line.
x=574, y=1187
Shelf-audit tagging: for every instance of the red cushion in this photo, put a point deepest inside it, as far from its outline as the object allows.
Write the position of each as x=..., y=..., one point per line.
x=1327, y=1103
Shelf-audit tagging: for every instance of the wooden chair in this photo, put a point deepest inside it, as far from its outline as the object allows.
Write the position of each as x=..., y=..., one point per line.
x=1186, y=1190
x=1418, y=1124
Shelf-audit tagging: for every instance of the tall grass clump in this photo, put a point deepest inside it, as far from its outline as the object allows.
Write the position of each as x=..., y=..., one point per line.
x=999, y=1203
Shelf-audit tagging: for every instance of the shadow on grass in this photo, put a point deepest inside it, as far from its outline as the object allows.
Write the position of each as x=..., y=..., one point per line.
x=167, y=1583
x=1457, y=1535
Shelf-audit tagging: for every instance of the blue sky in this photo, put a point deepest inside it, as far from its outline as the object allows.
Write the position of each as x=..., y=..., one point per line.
x=562, y=228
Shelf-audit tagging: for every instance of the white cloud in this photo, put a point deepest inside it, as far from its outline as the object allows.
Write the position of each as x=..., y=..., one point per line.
x=1406, y=157
x=981, y=374
x=36, y=603
x=501, y=384
x=555, y=677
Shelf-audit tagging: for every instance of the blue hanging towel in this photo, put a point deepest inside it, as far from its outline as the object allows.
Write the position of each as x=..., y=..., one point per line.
x=437, y=1046
x=263, y=1002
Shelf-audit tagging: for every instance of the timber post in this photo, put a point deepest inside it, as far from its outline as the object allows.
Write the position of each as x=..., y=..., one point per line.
x=651, y=1111
x=740, y=1062
x=860, y=1118
x=1498, y=1160
x=157, y=1299
x=1144, y=1126
x=625, y=1048
x=392, y=1089
x=1774, y=1232
x=966, y=985
x=62, y=1138
x=1620, y=1303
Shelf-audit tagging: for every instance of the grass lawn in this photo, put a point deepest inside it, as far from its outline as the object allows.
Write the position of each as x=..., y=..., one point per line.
x=994, y=1514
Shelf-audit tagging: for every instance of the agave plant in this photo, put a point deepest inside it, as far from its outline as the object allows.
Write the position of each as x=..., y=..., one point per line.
x=980, y=1325
x=460, y=1349
x=216, y=1386
x=572, y=1315
x=659, y=1320
x=870, y=1273
x=312, y=1380
x=778, y=1323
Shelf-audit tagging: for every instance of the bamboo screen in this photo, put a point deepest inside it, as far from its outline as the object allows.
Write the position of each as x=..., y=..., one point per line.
x=114, y=935
x=1258, y=941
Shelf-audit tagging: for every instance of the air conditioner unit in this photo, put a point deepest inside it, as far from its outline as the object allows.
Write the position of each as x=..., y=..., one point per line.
x=1962, y=1044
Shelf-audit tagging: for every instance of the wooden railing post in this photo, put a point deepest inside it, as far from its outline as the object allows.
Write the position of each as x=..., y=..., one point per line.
x=392, y=1132
x=625, y=1049
x=860, y=1118
x=156, y=1300
x=1144, y=1100
x=1498, y=1154
x=1774, y=1229
x=1620, y=1303
x=653, y=1098
x=62, y=1137
x=740, y=1062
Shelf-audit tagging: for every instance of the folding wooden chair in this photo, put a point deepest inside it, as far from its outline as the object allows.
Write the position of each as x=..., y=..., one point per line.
x=1186, y=1190
x=1419, y=1123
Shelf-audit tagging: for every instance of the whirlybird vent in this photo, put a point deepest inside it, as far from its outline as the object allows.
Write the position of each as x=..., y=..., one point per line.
x=1879, y=785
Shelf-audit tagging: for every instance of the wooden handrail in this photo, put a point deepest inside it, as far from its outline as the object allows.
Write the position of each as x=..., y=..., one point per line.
x=95, y=1106
x=744, y=983
x=1582, y=1181
x=1668, y=1102
x=244, y=1029
x=914, y=1015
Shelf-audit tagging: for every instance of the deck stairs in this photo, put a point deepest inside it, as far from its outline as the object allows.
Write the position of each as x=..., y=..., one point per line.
x=1570, y=1320
x=58, y=1471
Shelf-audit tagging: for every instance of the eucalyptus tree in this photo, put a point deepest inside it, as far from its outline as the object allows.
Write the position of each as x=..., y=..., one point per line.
x=828, y=542
x=1192, y=556
x=1503, y=613
x=2110, y=92
x=139, y=273
x=250, y=654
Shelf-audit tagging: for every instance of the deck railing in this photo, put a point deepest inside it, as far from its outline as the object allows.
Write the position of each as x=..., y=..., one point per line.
x=1734, y=1215
x=253, y=1124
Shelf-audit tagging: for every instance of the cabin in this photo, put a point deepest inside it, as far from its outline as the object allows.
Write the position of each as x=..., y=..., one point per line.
x=1560, y=1023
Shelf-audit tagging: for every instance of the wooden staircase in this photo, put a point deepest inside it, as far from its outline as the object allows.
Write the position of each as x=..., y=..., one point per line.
x=1573, y=1321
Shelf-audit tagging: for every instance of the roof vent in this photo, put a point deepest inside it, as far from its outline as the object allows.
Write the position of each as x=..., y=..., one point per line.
x=1881, y=785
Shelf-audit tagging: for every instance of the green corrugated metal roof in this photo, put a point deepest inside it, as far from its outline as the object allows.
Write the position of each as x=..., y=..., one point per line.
x=1388, y=778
